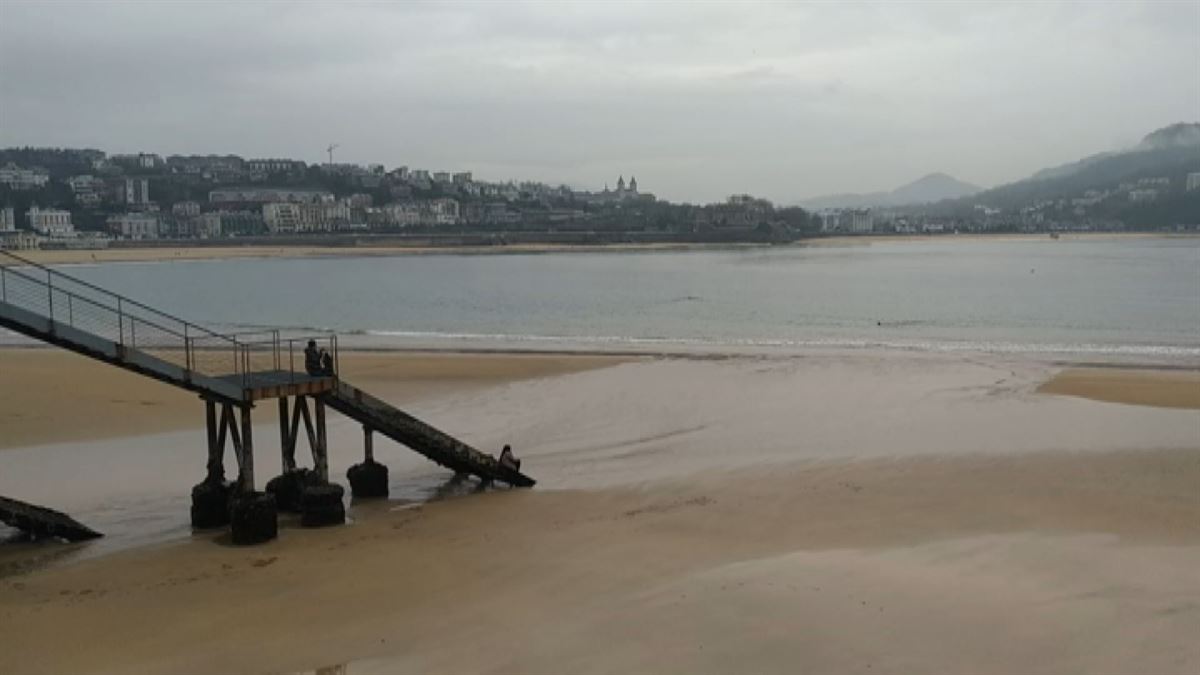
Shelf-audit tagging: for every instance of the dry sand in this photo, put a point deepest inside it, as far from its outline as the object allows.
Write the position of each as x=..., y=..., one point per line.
x=1165, y=389
x=164, y=253
x=53, y=396
x=161, y=253
x=868, y=514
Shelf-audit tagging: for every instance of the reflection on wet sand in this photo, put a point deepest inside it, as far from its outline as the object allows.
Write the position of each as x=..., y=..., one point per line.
x=867, y=513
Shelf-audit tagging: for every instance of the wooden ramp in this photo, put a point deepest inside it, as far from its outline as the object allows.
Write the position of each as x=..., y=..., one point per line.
x=412, y=432
x=41, y=522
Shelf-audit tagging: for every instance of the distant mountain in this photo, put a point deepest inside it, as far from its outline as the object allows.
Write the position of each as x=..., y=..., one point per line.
x=1181, y=135
x=1171, y=152
x=932, y=188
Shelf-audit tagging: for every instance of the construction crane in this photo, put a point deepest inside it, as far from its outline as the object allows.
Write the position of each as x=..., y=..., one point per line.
x=330, y=149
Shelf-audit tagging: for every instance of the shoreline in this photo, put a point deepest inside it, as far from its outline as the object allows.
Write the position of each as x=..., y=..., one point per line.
x=110, y=403
x=261, y=250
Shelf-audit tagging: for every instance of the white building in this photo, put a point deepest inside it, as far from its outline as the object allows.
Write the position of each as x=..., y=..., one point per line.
x=403, y=214
x=1143, y=195
x=88, y=189
x=207, y=226
x=22, y=179
x=142, y=160
x=269, y=196
x=432, y=212
x=186, y=209
x=442, y=211
x=134, y=225
x=862, y=221
x=135, y=191
x=1193, y=181
x=50, y=222
x=284, y=218
x=8, y=221
x=275, y=165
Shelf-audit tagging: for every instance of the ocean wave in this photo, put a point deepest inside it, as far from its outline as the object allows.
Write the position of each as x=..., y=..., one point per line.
x=987, y=346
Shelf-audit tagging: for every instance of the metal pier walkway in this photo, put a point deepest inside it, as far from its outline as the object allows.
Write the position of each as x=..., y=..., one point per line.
x=228, y=370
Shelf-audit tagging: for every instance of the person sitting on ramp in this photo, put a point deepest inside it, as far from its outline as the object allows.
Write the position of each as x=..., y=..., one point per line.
x=508, y=460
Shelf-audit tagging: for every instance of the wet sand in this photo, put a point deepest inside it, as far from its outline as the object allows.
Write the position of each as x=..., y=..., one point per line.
x=54, y=396
x=867, y=513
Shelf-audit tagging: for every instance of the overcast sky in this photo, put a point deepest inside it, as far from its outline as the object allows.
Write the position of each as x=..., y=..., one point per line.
x=697, y=100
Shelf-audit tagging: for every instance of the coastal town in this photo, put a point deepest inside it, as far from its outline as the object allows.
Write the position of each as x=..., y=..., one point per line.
x=86, y=198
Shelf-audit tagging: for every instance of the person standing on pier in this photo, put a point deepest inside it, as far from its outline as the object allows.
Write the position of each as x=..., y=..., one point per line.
x=312, y=359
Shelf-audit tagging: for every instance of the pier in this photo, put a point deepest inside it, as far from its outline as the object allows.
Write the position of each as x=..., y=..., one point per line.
x=233, y=373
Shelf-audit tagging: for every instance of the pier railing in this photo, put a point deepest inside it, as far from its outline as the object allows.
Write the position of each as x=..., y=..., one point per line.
x=68, y=301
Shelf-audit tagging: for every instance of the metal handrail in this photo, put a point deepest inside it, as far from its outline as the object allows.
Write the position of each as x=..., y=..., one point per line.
x=90, y=301
x=121, y=299
x=191, y=336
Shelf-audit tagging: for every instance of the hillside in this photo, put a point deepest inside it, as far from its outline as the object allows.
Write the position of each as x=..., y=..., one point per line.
x=1170, y=153
x=932, y=188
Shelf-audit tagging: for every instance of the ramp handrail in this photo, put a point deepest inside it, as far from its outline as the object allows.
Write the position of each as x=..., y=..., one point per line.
x=70, y=301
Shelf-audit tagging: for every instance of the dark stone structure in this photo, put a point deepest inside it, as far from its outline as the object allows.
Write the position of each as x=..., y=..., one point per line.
x=253, y=518
x=368, y=480
x=210, y=504
x=321, y=505
x=289, y=486
x=40, y=522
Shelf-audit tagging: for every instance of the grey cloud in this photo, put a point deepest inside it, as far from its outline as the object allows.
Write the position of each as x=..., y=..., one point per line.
x=783, y=100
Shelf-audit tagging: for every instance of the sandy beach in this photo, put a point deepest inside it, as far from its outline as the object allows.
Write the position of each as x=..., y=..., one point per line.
x=110, y=403
x=182, y=252
x=167, y=253
x=863, y=513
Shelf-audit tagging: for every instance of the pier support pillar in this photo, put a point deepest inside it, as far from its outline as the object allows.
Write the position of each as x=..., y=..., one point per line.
x=253, y=515
x=370, y=478
x=287, y=441
x=321, y=449
x=321, y=505
x=253, y=518
x=246, y=464
x=210, y=497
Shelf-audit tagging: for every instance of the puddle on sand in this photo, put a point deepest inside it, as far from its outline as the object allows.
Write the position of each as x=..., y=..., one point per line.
x=131, y=519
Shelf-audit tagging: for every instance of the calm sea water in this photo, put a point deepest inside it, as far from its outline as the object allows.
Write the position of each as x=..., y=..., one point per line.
x=1134, y=296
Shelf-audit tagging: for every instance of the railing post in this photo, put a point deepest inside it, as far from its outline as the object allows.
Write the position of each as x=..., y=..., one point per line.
x=50, y=292
x=246, y=482
x=187, y=349
x=3, y=285
x=120, y=322
x=292, y=360
x=70, y=311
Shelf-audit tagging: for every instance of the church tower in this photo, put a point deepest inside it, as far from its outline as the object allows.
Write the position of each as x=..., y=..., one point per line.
x=621, y=184
x=633, y=184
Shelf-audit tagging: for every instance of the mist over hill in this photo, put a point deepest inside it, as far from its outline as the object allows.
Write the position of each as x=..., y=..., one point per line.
x=1171, y=152
x=1142, y=186
x=931, y=188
